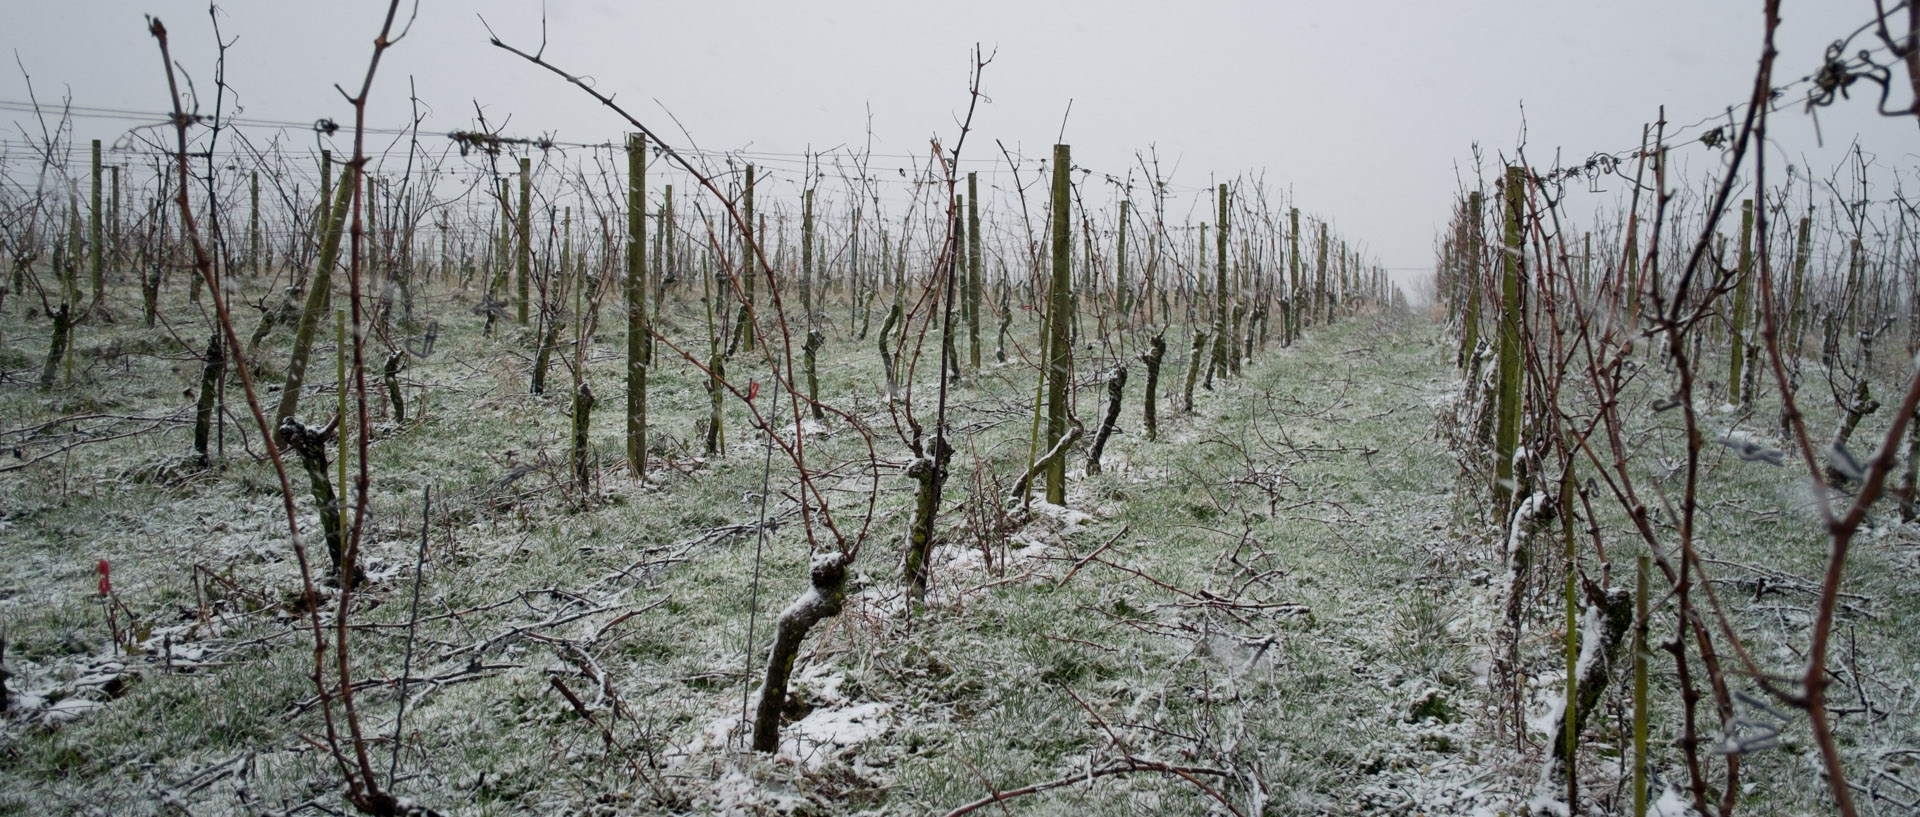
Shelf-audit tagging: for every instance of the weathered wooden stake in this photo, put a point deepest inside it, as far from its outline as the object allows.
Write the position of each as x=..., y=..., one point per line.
x=1737, y=322
x=523, y=243
x=1513, y=270
x=973, y=271
x=1060, y=349
x=639, y=358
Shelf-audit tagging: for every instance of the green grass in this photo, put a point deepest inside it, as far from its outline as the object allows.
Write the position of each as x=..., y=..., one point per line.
x=1320, y=470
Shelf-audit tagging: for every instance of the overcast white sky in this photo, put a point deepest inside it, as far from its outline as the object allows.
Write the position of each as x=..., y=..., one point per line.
x=1364, y=109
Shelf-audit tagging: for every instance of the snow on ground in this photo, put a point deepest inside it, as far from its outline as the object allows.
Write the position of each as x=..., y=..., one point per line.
x=1282, y=606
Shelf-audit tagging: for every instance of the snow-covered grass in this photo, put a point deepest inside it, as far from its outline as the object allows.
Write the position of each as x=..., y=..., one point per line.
x=1292, y=587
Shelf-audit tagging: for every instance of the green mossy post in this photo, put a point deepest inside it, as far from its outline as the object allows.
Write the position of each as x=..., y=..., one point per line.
x=569, y=280
x=70, y=261
x=1507, y=410
x=1089, y=288
x=1322, y=296
x=716, y=439
x=1222, y=332
x=853, y=274
x=1294, y=289
x=1640, y=656
x=806, y=257
x=1039, y=401
x=523, y=244
x=663, y=261
x=1796, y=303
x=322, y=216
x=639, y=358
x=69, y=264
x=1153, y=278
x=750, y=267
x=1569, y=743
x=1199, y=294
x=95, y=246
x=973, y=270
x=1737, y=322
x=113, y=215
x=319, y=286
x=254, y=262
x=1121, y=290
x=1470, y=267
x=341, y=423
x=1059, y=346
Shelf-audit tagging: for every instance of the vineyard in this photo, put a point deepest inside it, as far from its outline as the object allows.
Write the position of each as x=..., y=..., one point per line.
x=479, y=473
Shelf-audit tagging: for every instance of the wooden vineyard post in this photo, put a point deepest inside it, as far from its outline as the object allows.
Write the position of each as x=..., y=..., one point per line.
x=1120, y=288
x=663, y=265
x=638, y=359
x=806, y=256
x=1322, y=297
x=973, y=270
x=1507, y=417
x=1152, y=276
x=1796, y=288
x=1640, y=688
x=1294, y=289
x=523, y=243
x=94, y=243
x=1222, y=338
x=1060, y=317
x=253, y=223
x=1470, y=317
x=750, y=267
x=1737, y=322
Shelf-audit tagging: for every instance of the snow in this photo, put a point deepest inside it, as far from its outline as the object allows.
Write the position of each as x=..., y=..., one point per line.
x=67, y=710
x=1671, y=804
x=825, y=732
x=1592, y=631
x=904, y=699
x=1523, y=516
